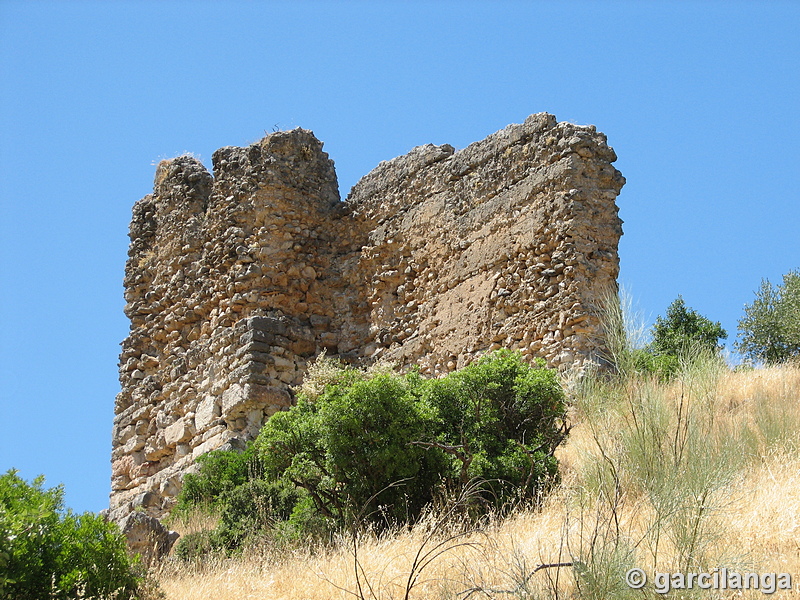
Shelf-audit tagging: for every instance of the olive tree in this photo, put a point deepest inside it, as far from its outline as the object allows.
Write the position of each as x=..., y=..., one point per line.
x=770, y=328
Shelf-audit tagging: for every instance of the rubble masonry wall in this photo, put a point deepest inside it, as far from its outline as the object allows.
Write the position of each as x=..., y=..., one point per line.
x=236, y=280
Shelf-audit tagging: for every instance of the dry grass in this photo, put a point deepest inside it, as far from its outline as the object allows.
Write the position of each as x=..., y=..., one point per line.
x=197, y=520
x=719, y=487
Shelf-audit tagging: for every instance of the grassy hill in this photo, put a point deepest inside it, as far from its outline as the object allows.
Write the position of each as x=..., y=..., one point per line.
x=694, y=475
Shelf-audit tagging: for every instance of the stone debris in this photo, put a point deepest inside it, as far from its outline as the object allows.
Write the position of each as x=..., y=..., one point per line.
x=236, y=281
x=147, y=537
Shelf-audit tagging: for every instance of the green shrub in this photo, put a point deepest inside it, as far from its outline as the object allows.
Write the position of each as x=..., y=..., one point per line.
x=770, y=328
x=305, y=524
x=678, y=339
x=664, y=366
x=385, y=444
x=252, y=509
x=685, y=331
x=378, y=447
x=197, y=544
x=350, y=445
x=49, y=552
x=501, y=420
x=220, y=471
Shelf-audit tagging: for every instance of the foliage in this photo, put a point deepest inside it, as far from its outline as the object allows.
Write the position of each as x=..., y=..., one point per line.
x=678, y=339
x=354, y=441
x=377, y=446
x=47, y=552
x=253, y=508
x=247, y=512
x=197, y=544
x=500, y=419
x=685, y=330
x=770, y=328
x=670, y=460
x=220, y=471
x=646, y=360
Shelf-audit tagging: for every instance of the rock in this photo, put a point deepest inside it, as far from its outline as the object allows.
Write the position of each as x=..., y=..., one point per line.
x=147, y=537
x=147, y=499
x=178, y=432
x=207, y=412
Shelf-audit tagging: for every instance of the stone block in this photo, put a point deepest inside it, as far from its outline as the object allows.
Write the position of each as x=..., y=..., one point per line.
x=134, y=443
x=268, y=395
x=284, y=364
x=267, y=325
x=258, y=337
x=179, y=431
x=146, y=536
x=156, y=447
x=207, y=412
x=212, y=443
x=182, y=450
x=303, y=347
x=233, y=401
x=122, y=466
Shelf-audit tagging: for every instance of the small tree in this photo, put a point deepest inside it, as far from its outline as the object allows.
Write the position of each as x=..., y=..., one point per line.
x=47, y=552
x=375, y=446
x=685, y=330
x=500, y=419
x=770, y=328
x=683, y=334
x=220, y=471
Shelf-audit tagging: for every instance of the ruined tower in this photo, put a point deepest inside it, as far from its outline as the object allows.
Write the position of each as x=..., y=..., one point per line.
x=236, y=280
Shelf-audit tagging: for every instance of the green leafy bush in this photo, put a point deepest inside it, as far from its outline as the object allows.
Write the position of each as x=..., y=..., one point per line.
x=49, y=552
x=498, y=419
x=305, y=524
x=197, y=544
x=220, y=471
x=348, y=446
x=377, y=446
x=646, y=360
x=253, y=508
x=770, y=328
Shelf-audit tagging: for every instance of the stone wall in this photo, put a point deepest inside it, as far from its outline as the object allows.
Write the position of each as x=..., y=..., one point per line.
x=235, y=281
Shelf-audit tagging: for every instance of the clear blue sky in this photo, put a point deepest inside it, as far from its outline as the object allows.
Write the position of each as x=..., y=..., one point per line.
x=701, y=101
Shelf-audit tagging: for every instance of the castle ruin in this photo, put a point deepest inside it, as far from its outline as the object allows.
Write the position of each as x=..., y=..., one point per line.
x=236, y=280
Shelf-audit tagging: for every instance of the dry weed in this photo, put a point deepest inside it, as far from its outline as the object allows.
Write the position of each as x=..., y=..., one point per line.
x=750, y=515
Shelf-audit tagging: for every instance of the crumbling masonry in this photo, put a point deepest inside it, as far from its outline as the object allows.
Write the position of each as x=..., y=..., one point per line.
x=236, y=280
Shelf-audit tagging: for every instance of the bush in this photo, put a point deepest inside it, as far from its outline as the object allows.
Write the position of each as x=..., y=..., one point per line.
x=378, y=447
x=47, y=552
x=770, y=328
x=220, y=471
x=386, y=443
x=678, y=339
x=665, y=366
x=252, y=509
x=353, y=442
x=500, y=419
x=306, y=524
x=197, y=544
